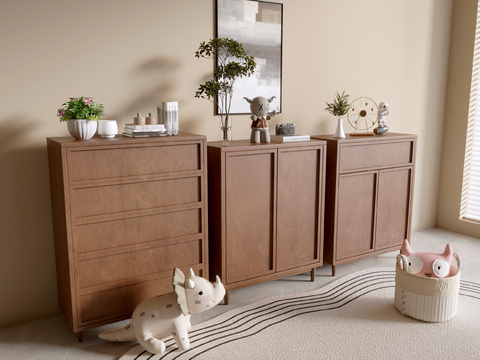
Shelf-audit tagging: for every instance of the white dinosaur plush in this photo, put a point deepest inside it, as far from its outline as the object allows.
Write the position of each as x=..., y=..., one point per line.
x=169, y=314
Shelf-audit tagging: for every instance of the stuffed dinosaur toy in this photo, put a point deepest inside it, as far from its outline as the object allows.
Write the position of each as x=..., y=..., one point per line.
x=169, y=314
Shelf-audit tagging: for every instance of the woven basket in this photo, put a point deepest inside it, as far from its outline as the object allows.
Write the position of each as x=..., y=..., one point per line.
x=424, y=298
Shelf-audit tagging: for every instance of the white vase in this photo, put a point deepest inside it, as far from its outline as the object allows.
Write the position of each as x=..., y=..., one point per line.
x=339, y=131
x=107, y=128
x=82, y=129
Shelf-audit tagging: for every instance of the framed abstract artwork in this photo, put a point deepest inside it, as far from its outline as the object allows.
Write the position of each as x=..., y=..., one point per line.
x=258, y=26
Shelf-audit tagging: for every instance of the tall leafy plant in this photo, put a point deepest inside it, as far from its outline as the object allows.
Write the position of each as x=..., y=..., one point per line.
x=232, y=63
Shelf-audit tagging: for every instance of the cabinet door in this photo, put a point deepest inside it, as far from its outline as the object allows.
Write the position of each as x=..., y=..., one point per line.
x=393, y=208
x=250, y=214
x=299, y=185
x=355, y=214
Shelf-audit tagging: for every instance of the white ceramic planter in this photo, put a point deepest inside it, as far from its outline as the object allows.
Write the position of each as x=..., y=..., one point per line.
x=339, y=131
x=107, y=128
x=82, y=129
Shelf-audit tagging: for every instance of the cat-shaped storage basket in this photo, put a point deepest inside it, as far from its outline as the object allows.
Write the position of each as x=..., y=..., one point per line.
x=426, y=298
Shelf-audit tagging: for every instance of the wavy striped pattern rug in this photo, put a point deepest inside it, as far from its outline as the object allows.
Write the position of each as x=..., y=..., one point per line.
x=353, y=317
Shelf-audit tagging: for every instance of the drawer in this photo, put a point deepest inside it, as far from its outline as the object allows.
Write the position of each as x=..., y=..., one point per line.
x=124, y=232
x=121, y=162
x=118, y=269
x=369, y=156
x=137, y=196
x=121, y=301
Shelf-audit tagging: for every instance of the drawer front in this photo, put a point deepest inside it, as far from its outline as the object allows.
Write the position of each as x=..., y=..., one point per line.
x=120, y=162
x=137, y=196
x=124, y=232
x=120, y=268
x=121, y=301
x=369, y=156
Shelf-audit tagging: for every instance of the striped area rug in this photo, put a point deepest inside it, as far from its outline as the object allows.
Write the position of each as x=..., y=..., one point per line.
x=353, y=317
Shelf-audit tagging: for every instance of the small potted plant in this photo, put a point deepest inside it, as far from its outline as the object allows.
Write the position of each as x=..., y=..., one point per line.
x=339, y=108
x=232, y=63
x=81, y=115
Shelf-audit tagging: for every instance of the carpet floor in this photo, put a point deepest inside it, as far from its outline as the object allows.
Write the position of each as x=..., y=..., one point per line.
x=353, y=317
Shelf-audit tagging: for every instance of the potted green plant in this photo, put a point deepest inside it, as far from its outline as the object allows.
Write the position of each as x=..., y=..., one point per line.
x=232, y=63
x=339, y=107
x=81, y=115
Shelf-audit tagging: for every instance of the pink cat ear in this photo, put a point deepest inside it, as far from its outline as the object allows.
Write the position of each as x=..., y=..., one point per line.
x=405, y=248
x=448, y=251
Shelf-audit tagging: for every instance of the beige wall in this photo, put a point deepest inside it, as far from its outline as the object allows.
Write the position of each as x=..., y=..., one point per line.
x=456, y=119
x=129, y=55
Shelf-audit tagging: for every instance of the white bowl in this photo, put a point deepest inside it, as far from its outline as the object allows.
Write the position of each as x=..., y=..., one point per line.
x=107, y=128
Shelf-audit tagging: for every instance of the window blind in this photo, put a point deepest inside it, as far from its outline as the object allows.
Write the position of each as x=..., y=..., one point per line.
x=470, y=204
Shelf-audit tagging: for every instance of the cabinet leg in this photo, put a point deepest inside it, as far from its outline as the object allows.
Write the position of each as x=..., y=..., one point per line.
x=312, y=274
x=334, y=270
x=227, y=297
x=80, y=336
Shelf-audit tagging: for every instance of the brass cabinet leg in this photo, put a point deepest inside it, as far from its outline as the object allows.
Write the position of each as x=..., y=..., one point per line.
x=334, y=269
x=80, y=336
x=227, y=297
x=312, y=274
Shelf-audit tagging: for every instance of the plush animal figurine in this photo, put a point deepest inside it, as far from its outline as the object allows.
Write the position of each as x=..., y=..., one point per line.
x=259, y=107
x=169, y=314
x=382, y=113
x=428, y=264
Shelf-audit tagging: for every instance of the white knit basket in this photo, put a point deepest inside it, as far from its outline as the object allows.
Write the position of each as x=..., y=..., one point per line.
x=424, y=298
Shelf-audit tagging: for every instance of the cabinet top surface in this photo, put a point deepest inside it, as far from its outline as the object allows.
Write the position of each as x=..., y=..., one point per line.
x=247, y=145
x=366, y=138
x=123, y=140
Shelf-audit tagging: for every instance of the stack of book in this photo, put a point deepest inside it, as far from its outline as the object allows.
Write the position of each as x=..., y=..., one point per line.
x=167, y=114
x=132, y=130
x=289, y=138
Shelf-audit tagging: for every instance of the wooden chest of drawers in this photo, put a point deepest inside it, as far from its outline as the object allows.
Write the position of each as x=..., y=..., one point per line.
x=125, y=213
x=369, y=195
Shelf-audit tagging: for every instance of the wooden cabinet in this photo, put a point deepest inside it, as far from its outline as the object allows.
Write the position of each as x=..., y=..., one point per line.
x=126, y=212
x=265, y=210
x=369, y=193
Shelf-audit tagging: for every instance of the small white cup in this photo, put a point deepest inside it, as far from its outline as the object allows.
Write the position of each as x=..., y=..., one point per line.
x=107, y=128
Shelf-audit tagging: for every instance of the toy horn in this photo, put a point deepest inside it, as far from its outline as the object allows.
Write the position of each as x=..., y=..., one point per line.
x=190, y=284
x=218, y=280
x=248, y=100
x=271, y=99
x=191, y=272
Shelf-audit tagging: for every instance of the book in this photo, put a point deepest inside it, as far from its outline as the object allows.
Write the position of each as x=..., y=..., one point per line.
x=159, y=127
x=143, y=135
x=167, y=115
x=140, y=132
x=175, y=117
x=289, y=138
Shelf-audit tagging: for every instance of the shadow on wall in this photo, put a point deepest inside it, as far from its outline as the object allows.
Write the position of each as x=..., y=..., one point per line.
x=27, y=261
x=158, y=71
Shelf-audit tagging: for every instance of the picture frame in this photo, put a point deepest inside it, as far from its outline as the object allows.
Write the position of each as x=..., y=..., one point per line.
x=258, y=26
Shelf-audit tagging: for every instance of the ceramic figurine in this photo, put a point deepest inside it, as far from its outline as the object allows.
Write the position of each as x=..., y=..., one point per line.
x=169, y=314
x=259, y=107
x=383, y=111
